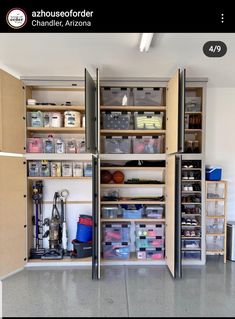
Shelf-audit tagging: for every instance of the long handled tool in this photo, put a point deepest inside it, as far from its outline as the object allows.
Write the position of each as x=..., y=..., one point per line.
x=63, y=197
x=37, y=195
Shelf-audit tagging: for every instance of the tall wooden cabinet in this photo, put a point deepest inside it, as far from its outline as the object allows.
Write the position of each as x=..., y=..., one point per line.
x=87, y=195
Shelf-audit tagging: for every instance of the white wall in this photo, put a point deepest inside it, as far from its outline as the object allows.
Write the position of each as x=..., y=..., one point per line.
x=220, y=137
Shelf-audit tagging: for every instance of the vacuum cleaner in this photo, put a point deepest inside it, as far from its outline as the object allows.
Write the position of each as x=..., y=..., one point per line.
x=58, y=234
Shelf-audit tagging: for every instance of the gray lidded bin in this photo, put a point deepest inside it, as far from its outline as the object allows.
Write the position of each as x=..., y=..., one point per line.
x=231, y=240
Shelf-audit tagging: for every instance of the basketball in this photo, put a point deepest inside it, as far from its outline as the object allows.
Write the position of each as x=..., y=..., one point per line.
x=106, y=177
x=118, y=177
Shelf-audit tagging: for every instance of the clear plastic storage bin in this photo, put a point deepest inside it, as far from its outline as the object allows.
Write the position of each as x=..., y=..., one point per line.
x=191, y=254
x=148, y=121
x=116, y=120
x=34, y=168
x=153, y=211
x=191, y=243
x=34, y=145
x=116, y=250
x=150, y=253
x=193, y=104
x=110, y=211
x=215, y=226
x=35, y=119
x=214, y=242
x=115, y=96
x=148, y=145
x=116, y=232
x=148, y=96
x=149, y=230
x=117, y=145
x=142, y=242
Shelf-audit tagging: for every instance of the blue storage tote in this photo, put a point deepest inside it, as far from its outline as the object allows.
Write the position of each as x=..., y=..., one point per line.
x=213, y=173
x=84, y=233
x=132, y=211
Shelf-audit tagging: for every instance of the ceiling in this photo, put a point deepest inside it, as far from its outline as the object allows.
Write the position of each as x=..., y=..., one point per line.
x=116, y=55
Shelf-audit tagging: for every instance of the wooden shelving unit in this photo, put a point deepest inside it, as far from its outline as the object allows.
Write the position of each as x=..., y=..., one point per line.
x=133, y=108
x=218, y=187
x=58, y=177
x=132, y=185
x=138, y=168
x=132, y=132
x=62, y=130
x=141, y=220
x=58, y=108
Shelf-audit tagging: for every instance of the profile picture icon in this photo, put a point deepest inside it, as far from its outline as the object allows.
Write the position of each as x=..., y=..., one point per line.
x=16, y=18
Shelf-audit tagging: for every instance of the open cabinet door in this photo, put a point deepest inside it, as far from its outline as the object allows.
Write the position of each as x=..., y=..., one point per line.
x=12, y=114
x=175, y=100
x=173, y=215
x=91, y=114
x=96, y=217
x=12, y=214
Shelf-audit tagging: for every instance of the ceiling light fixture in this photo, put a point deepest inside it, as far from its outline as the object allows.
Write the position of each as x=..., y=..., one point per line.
x=145, y=41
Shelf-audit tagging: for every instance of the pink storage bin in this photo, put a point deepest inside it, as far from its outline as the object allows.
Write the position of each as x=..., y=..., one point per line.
x=148, y=145
x=34, y=145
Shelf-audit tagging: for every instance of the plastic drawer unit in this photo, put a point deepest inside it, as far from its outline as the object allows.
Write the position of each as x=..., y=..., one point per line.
x=153, y=211
x=191, y=243
x=149, y=230
x=193, y=104
x=132, y=211
x=115, y=96
x=215, y=226
x=116, y=232
x=110, y=211
x=191, y=254
x=150, y=253
x=116, y=250
x=148, y=121
x=117, y=145
x=143, y=242
x=148, y=144
x=116, y=120
x=215, y=243
x=148, y=96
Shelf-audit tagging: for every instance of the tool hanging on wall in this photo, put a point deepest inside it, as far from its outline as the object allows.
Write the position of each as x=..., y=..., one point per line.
x=54, y=232
x=37, y=251
x=63, y=197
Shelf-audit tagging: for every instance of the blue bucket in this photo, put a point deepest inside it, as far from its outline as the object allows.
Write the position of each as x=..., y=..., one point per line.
x=84, y=233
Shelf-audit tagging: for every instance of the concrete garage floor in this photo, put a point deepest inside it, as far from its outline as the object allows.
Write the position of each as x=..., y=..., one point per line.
x=123, y=291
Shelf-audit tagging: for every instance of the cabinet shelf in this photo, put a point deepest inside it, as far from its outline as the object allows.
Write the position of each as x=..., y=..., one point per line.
x=56, y=129
x=215, y=199
x=132, y=202
x=132, y=168
x=190, y=203
x=191, y=226
x=143, y=220
x=132, y=185
x=191, y=237
x=59, y=177
x=215, y=252
x=132, y=108
x=214, y=217
x=215, y=234
x=55, y=108
x=190, y=169
x=191, y=180
x=188, y=130
x=193, y=112
x=132, y=132
x=191, y=249
x=191, y=192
